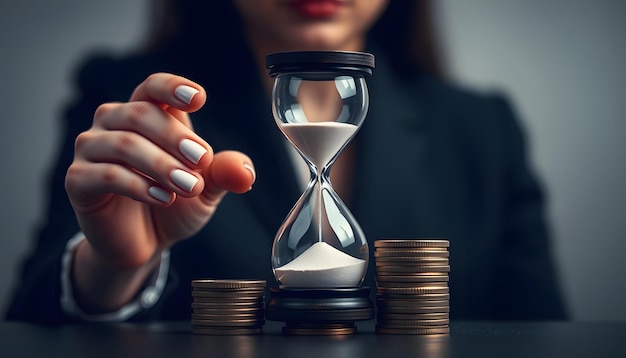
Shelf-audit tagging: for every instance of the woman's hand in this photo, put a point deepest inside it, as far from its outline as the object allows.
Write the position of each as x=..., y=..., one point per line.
x=141, y=178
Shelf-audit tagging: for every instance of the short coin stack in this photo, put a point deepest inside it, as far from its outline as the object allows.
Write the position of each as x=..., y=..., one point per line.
x=412, y=286
x=227, y=307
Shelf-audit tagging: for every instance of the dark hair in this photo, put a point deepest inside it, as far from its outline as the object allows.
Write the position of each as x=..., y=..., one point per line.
x=405, y=30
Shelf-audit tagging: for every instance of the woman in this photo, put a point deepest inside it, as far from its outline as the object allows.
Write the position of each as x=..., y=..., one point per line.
x=147, y=189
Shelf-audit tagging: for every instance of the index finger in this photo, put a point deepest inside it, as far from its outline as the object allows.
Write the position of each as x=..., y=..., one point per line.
x=168, y=90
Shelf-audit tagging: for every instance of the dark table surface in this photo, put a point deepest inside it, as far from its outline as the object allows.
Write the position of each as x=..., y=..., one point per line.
x=467, y=339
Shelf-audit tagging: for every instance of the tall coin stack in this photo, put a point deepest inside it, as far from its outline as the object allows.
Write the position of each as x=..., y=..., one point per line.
x=227, y=307
x=412, y=293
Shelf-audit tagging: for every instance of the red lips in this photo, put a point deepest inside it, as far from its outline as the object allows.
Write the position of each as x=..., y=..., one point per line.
x=316, y=9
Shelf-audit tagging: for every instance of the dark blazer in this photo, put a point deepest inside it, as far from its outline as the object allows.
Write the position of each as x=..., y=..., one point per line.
x=434, y=161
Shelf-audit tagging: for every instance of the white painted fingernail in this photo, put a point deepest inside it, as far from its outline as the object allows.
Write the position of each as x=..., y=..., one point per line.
x=192, y=150
x=251, y=169
x=185, y=93
x=160, y=194
x=183, y=179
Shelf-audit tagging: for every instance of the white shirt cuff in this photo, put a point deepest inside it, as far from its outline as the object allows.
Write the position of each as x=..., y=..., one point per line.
x=148, y=297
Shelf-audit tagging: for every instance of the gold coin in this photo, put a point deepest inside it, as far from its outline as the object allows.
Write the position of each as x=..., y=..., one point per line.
x=226, y=317
x=230, y=323
x=427, y=263
x=413, y=303
x=414, y=316
x=256, y=304
x=441, y=306
x=381, y=252
x=387, y=291
x=233, y=290
x=227, y=291
x=225, y=331
x=411, y=299
x=413, y=309
x=414, y=278
x=407, y=260
x=411, y=268
x=229, y=300
x=228, y=294
x=406, y=323
x=411, y=243
x=228, y=284
x=408, y=303
x=418, y=331
x=228, y=310
x=384, y=284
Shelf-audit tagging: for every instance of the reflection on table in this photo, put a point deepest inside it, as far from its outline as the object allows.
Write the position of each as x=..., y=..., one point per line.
x=467, y=339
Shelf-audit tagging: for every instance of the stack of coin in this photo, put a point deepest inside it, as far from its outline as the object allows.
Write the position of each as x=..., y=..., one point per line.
x=227, y=307
x=412, y=294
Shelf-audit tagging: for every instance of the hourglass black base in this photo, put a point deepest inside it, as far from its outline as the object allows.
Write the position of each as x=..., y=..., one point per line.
x=330, y=311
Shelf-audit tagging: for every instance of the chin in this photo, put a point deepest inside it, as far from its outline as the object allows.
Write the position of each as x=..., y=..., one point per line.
x=320, y=39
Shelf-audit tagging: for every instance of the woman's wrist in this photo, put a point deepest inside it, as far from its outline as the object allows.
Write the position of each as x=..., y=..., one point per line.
x=102, y=286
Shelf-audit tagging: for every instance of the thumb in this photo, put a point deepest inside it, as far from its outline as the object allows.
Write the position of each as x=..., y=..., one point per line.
x=230, y=171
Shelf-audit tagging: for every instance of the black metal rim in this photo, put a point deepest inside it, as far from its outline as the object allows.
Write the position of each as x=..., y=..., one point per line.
x=303, y=61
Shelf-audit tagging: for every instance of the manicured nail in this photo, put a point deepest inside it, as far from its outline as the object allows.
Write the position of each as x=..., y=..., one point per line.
x=160, y=194
x=183, y=179
x=251, y=169
x=185, y=93
x=192, y=150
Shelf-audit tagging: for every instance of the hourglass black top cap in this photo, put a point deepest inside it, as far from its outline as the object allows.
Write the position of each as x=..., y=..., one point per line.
x=302, y=61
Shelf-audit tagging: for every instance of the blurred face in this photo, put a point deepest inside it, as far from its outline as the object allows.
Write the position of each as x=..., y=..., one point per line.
x=287, y=25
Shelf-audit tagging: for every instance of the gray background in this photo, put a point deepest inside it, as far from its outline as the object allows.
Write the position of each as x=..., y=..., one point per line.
x=561, y=62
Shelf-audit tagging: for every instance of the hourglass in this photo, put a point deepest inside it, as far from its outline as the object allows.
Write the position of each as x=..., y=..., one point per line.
x=320, y=253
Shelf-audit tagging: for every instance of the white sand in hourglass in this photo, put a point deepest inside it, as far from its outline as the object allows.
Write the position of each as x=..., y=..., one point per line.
x=321, y=265
x=319, y=141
